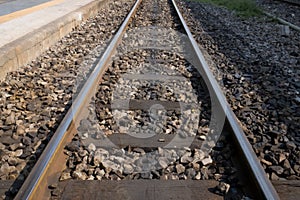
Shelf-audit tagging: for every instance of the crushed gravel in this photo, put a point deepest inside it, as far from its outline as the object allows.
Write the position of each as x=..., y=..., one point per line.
x=258, y=68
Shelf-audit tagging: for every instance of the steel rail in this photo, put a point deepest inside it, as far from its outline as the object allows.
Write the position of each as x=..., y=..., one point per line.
x=282, y=21
x=291, y=2
x=34, y=178
x=267, y=188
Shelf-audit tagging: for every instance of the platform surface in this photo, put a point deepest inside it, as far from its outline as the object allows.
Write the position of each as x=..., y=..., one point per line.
x=10, y=6
x=18, y=27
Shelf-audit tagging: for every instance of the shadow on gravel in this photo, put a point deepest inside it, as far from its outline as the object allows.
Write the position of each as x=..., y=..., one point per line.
x=260, y=73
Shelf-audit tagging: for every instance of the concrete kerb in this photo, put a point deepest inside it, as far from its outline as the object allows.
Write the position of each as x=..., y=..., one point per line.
x=24, y=49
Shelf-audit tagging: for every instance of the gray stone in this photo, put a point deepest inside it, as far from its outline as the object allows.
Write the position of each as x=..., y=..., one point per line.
x=180, y=168
x=223, y=187
x=290, y=145
x=146, y=175
x=190, y=173
x=117, y=159
x=91, y=147
x=13, y=147
x=4, y=169
x=286, y=164
x=186, y=158
x=2, y=146
x=20, y=130
x=81, y=167
x=18, y=153
x=281, y=158
x=163, y=162
x=274, y=176
x=277, y=169
x=65, y=176
x=128, y=169
x=98, y=158
x=198, y=155
x=110, y=165
x=206, y=161
x=79, y=175
x=198, y=176
x=13, y=161
x=139, y=150
x=10, y=119
x=266, y=162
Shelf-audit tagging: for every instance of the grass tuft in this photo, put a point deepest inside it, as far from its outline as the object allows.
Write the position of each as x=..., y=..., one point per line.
x=244, y=8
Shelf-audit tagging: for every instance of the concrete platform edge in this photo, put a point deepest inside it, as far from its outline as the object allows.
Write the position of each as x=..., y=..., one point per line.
x=27, y=48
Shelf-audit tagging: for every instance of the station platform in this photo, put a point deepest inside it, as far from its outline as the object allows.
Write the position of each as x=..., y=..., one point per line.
x=28, y=28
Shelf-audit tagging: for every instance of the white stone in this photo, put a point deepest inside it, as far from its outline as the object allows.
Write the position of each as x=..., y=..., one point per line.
x=91, y=147
x=207, y=161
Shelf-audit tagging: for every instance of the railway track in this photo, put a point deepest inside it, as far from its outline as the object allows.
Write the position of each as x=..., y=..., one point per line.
x=291, y=2
x=120, y=133
x=285, y=12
